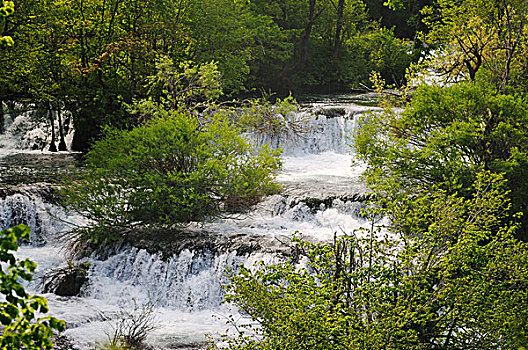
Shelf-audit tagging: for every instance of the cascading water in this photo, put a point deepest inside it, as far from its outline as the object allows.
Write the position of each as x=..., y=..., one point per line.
x=323, y=129
x=26, y=129
x=322, y=195
x=43, y=218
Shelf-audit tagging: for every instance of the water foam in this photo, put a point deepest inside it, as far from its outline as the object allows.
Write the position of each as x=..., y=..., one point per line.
x=187, y=287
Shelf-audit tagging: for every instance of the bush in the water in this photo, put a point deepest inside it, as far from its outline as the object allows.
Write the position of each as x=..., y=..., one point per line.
x=22, y=328
x=275, y=120
x=175, y=169
x=132, y=327
x=436, y=279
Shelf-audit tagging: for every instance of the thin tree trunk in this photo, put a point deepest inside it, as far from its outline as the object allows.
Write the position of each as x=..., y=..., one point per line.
x=2, y=118
x=339, y=26
x=52, y=147
x=62, y=142
x=512, y=39
x=473, y=69
x=307, y=33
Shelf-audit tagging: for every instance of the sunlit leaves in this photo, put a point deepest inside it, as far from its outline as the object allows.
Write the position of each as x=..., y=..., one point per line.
x=23, y=328
x=7, y=8
x=175, y=169
x=479, y=35
x=445, y=137
x=435, y=277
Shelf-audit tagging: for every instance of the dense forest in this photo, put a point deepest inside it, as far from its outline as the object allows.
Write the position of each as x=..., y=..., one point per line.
x=161, y=92
x=93, y=57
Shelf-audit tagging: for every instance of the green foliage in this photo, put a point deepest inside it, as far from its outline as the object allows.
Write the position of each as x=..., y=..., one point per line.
x=240, y=40
x=381, y=52
x=94, y=58
x=188, y=86
x=445, y=136
x=170, y=171
x=336, y=46
x=476, y=35
x=275, y=120
x=22, y=328
x=7, y=8
x=435, y=278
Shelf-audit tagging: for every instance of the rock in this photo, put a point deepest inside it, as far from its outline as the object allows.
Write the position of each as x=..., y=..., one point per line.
x=66, y=281
x=62, y=342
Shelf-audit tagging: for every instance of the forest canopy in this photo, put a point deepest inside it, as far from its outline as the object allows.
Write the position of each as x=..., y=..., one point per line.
x=92, y=57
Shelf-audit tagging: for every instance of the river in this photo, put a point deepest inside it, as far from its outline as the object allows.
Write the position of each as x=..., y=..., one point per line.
x=322, y=195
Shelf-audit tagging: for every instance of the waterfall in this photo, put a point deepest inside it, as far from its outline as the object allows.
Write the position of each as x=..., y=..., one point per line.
x=322, y=196
x=28, y=129
x=47, y=221
x=189, y=281
x=323, y=129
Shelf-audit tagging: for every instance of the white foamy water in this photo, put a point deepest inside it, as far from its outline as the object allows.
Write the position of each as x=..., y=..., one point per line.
x=30, y=132
x=318, y=179
x=327, y=166
x=185, y=300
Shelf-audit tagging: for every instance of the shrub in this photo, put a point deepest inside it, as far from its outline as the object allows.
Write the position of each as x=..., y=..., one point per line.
x=444, y=137
x=436, y=279
x=173, y=170
x=377, y=50
x=22, y=328
x=6, y=9
x=277, y=120
x=132, y=328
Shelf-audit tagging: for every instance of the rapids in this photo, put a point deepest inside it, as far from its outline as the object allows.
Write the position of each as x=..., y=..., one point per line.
x=322, y=196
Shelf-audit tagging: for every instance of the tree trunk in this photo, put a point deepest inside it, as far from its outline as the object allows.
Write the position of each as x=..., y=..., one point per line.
x=306, y=35
x=52, y=147
x=62, y=142
x=2, y=119
x=473, y=69
x=339, y=26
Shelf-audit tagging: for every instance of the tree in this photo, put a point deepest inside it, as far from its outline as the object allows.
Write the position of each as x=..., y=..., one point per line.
x=177, y=167
x=435, y=278
x=333, y=43
x=6, y=9
x=253, y=40
x=480, y=34
x=93, y=57
x=444, y=137
x=404, y=16
x=22, y=329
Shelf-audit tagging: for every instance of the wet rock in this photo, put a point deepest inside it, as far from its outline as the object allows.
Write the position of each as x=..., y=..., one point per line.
x=66, y=281
x=29, y=168
x=316, y=204
x=277, y=204
x=171, y=242
x=36, y=190
x=194, y=346
x=62, y=342
x=333, y=112
x=319, y=196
